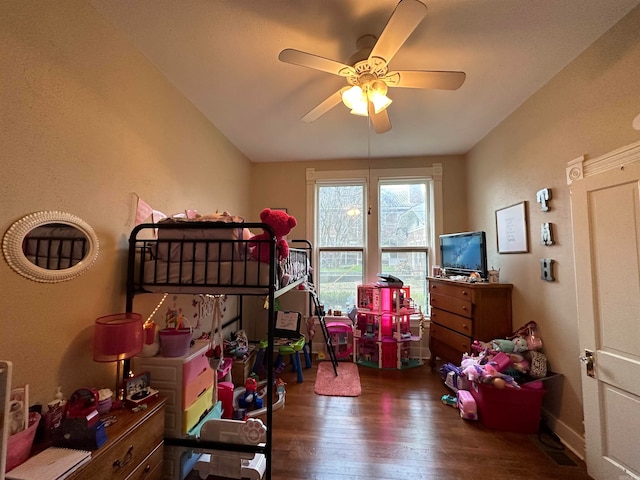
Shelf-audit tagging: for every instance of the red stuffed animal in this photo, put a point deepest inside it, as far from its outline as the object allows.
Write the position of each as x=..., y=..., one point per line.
x=281, y=223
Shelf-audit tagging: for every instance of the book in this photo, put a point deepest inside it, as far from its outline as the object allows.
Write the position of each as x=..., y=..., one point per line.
x=54, y=463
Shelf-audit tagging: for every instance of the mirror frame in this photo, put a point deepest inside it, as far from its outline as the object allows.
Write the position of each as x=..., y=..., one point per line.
x=15, y=257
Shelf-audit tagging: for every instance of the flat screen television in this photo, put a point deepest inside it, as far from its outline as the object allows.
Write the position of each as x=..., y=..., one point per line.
x=464, y=253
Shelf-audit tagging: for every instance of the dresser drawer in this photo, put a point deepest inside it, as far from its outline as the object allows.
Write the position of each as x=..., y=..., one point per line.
x=194, y=367
x=456, y=305
x=121, y=458
x=456, y=341
x=193, y=390
x=191, y=416
x=151, y=467
x=460, y=291
x=463, y=325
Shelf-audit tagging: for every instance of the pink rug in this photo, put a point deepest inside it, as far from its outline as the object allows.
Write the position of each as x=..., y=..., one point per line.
x=346, y=384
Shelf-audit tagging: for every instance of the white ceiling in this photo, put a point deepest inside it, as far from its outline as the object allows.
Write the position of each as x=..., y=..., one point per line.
x=223, y=56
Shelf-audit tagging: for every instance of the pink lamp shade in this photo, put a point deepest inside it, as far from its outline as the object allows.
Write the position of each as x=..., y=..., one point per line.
x=117, y=337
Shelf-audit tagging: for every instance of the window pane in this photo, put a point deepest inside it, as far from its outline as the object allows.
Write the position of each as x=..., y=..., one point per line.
x=403, y=215
x=341, y=216
x=411, y=268
x=340, y=275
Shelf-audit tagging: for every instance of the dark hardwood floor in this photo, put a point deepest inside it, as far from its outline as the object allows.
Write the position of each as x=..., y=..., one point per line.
x=400, y=429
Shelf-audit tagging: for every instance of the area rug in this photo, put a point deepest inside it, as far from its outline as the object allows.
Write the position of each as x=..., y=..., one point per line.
x=346, y=384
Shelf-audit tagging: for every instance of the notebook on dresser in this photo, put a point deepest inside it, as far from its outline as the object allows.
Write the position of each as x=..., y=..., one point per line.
x=54, y=463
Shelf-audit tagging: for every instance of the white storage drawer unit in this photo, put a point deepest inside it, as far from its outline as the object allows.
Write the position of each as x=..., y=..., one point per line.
x=188, y=383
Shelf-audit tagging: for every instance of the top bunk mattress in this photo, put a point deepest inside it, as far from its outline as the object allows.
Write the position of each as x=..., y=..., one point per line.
x=207, y=257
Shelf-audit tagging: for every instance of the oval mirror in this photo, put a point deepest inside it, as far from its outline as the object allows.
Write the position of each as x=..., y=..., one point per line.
x=50, y=246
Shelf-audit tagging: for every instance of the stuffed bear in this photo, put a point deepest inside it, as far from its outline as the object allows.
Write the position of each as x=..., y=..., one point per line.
x=517, y=345
x=281, y=223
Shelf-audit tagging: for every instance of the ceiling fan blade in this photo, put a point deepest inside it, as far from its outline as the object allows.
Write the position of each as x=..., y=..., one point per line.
x=403, y=21
x=380, y=121
x=304, y=59
x=324, y=107
x=425, y=79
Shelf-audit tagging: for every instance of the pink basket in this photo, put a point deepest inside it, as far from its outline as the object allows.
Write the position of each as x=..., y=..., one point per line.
x=175, y=342
x=19, y=444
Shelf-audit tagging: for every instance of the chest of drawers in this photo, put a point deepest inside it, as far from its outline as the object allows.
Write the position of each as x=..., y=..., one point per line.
x=463, y=312
x=134, y=447
x=188, y=383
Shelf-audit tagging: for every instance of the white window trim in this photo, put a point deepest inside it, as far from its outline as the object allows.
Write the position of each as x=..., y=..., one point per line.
x=371, y=178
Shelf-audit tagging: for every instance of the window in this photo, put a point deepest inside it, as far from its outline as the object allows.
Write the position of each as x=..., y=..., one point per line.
x=366, y=222
x=340, y=241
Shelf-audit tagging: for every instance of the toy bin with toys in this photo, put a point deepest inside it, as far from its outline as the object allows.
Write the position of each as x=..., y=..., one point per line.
x=509, y=409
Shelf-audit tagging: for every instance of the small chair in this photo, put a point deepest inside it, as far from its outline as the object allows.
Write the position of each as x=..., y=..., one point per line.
x=288, y=341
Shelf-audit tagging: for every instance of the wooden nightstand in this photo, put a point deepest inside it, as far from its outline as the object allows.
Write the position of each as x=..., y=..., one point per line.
x=134, y=448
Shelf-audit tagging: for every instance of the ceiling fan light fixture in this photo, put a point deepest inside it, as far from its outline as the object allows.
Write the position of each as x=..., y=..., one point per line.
x=380, y=102
x=356, y=100
x=377, y=94
x=367, y=72
x=361, y=108
x=352, y=96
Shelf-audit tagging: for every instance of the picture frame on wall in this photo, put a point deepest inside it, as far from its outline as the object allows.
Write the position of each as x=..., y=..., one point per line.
x=511, y=228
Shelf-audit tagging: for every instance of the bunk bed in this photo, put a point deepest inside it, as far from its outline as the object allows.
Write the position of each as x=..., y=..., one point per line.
x=210, y=257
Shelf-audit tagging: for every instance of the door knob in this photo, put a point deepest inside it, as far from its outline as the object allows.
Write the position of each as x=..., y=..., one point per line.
x=587, y=359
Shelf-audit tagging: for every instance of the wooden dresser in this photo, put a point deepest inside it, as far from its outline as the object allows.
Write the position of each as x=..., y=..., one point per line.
x=462, y=312
x=134, y=447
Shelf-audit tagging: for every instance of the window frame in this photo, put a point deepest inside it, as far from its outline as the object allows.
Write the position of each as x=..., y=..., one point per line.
x=371, y=178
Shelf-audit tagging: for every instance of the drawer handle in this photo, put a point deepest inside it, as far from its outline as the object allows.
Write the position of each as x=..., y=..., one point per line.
x=127, y=458
x=464, y=325
x=464, y=292
x=147, y=469
x=464, y=307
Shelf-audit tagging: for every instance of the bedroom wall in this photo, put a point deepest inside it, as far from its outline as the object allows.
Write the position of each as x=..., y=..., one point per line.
x=283, y=184
x=587, y=108
x=87, y=123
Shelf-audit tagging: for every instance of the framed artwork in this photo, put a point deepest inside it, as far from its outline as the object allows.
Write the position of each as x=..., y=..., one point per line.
x=511, y=228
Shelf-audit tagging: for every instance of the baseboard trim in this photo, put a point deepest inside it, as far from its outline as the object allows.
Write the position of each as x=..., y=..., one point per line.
x=569, y=437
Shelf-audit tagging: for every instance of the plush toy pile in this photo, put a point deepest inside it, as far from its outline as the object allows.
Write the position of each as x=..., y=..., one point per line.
x=503, y=363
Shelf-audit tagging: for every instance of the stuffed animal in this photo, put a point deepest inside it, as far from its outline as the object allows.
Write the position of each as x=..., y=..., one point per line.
x=281, y=223
x=517, y=345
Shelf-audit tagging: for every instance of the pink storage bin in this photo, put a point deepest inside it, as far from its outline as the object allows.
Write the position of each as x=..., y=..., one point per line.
x=509, y=409
x=19, y=444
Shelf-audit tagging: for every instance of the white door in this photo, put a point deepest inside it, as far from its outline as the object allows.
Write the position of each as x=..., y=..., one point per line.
x=605, y=207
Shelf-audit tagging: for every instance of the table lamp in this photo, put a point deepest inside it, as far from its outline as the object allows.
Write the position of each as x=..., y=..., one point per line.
x=117, y=337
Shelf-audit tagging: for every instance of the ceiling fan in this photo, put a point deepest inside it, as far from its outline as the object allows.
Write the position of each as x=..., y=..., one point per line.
x=368, y=71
